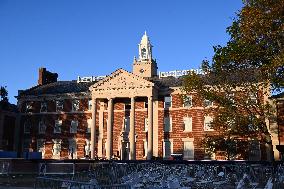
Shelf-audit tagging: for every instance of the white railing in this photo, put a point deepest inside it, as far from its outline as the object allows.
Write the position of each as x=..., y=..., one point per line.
x=179, y=73
x=89, y=79
x=175, y=73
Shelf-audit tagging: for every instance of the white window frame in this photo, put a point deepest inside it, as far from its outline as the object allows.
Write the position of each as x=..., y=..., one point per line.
x=145, y=147
x=59, y=105
x=41, y=126
x=42, y=105
x=184, y=101
x=59, y=147
x=206, y=128
x=27, y=123
x=171, y=145
x=189, y=129
x=57, y=123
x=41, y=149
x=205, y=105
x=168, y=104
x=191, y=140
x=170, y=124
x=89, y=125
x=146, y=124
x=74, y=126
x=75, y=101
x=87, y=147
x=90, y=104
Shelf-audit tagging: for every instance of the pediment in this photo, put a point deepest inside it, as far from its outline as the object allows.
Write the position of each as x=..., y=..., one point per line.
x=121, y=79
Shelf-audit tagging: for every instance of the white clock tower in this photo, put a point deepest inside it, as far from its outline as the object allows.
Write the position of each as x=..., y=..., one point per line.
x=145, y=66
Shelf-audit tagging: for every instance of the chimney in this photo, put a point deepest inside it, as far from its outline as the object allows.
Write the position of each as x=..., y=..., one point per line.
x=45, y=77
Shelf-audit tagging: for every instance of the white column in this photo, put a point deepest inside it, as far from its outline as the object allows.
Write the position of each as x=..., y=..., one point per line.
x=93, y=128
x=150, y=128
x=109, y=149
x=101, y=130
x=132, y=130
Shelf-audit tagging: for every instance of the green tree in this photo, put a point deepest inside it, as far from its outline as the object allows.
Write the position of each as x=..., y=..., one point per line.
x=3, y=94
x=239, y=77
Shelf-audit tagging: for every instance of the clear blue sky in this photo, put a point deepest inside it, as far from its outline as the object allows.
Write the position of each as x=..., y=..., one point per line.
x=96, y=37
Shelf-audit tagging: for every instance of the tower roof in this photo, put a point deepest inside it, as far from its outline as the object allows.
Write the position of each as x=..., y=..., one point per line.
x=145, y=39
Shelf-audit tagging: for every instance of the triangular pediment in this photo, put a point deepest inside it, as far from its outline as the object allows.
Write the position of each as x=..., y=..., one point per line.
x=121, y=79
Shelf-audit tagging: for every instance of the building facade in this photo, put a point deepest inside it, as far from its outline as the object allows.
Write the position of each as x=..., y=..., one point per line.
x=130, y=115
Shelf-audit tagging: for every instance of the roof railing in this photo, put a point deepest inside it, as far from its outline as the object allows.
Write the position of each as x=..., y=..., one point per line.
x=179, y=73
x=89, y=79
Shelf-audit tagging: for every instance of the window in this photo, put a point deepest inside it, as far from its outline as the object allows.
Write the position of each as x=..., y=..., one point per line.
x=187, y=124
x=167, y=148
x=187, y=101
x=207, y=103
x=168, y=102
x=188, y=150
x=57, y=126
x=145, y=104
x=41, y=126
x=73, y=126
x=75, y=105
x=231, y=97
x=127, y=106
x=56, y=148
x=87, y=147
x=89, y=122
x=29, y=107
x=208, y=123
x=145, y=147
x=167, y=124
x=252, y=98
x=59, y=105
x=27, y=126
x=43, y=107
x=26, y=145
x=146, y=123
x=90, y=104
x=126, y=124
x=41, y=146
x=72, y=148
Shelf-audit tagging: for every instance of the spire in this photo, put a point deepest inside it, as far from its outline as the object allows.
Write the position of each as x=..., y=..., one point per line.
x=145, y=48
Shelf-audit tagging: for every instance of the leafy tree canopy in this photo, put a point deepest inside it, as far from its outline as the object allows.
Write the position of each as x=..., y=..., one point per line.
x=240, y=76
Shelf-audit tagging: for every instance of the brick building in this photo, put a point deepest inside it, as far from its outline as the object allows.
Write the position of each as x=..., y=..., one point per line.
x=279, y=126
x=8, y=126
x=136, y=115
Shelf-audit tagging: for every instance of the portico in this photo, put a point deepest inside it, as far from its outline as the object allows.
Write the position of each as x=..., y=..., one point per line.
x=122, y=84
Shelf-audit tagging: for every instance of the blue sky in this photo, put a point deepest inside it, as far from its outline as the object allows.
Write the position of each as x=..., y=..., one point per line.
x=96, y=37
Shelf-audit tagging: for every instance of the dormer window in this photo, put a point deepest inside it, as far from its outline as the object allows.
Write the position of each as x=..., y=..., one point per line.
x=43, y=107
x=75, y=105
